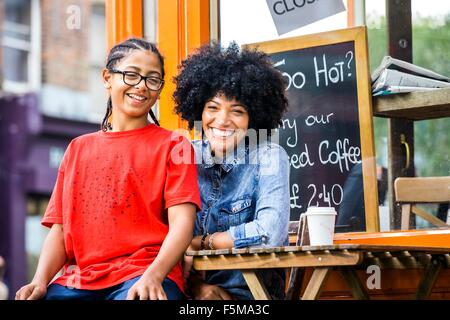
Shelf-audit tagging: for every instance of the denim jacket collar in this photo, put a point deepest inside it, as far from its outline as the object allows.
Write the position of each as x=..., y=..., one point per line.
x=229, y=162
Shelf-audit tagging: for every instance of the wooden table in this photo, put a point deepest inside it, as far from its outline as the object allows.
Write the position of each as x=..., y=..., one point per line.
x=347, y=258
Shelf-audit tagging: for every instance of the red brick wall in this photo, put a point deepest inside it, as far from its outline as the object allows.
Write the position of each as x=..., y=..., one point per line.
x=65, y=60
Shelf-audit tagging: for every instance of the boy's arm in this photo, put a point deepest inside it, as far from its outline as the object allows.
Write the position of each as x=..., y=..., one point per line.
x=52, y=259
x=181, y=226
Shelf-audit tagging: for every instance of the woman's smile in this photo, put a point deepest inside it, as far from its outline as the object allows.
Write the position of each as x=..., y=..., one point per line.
x=222, y=133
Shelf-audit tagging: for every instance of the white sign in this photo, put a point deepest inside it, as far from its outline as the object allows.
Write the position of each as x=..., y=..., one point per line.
x=289, y=15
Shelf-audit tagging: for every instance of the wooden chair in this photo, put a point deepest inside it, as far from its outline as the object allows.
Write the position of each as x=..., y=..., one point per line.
x=409, y=191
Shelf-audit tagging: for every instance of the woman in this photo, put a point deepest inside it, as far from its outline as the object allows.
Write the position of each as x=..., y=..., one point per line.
x=243, y=177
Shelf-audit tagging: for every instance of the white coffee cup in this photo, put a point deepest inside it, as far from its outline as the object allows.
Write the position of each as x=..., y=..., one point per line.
x=320, y=225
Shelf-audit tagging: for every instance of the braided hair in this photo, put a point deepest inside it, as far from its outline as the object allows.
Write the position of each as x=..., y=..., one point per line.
x=117, y=53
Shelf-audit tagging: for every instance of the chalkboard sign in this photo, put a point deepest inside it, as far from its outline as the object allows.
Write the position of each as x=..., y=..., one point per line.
x=328, y=130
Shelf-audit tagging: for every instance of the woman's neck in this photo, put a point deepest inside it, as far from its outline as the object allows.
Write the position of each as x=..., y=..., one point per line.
x=220, y=155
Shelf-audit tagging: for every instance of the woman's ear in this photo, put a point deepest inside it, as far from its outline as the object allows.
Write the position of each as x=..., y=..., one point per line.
x=106, y=78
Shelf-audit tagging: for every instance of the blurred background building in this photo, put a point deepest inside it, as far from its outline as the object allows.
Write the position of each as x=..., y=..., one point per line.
x=52, y=53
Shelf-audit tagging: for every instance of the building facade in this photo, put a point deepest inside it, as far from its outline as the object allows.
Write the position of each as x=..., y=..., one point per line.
x=52, y=54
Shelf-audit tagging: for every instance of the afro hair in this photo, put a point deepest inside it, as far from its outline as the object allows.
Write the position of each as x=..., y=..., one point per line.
x=245, y=75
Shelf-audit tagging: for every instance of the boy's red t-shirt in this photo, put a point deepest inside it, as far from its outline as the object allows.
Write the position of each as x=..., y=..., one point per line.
x=111, y=196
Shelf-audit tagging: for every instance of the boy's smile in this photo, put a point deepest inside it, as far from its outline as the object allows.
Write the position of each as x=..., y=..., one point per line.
x=131, y=103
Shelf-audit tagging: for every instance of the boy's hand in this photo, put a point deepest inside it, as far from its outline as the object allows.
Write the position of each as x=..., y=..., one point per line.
x=147, y=288
x=32, y=291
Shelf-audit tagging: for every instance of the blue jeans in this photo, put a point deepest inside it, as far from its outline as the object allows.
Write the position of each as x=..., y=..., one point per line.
x=117, y=292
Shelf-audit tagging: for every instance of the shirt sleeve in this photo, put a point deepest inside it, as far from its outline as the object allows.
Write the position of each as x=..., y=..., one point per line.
x=270, y=226
x=181, y=184
x=53, y=213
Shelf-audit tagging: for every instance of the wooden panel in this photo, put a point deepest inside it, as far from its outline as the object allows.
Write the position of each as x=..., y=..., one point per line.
x=316, y=283
x=400, y=161
x=424, y=238
x=428, y=217
x=357, y=289
x=426, y=189
x=367, y=139
x=395, y=284
x=123, y=20
x=390, y=249
x=414, y=105
x=168, y=42
x=399, y=26
x=428, y=279
x=255, y=284
x=182, y=26
x=281, y=260
x=294, y=283
x=406, y=217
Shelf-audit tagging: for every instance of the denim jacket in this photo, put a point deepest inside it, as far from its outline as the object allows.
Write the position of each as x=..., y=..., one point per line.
x=248, y=196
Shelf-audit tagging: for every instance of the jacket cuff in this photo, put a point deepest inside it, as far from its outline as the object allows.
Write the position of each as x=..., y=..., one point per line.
x=237, y=233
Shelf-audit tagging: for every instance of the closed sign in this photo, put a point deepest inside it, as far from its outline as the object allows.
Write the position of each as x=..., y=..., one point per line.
x=289, y=15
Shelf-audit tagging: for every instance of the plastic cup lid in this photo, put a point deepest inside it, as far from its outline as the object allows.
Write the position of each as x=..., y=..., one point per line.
x=321, y=210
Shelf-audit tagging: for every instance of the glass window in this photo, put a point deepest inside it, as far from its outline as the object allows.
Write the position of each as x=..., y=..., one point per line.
x=97, y=52
x=16, y=40
x=16, y=64
x=431, y=45
x=18, y=11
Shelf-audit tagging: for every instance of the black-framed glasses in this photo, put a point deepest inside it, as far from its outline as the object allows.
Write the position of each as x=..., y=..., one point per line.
x=132, y=78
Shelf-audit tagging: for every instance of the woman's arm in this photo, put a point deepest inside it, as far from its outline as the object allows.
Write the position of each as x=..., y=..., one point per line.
x=181, y=226
x=270, y=226
x=52, y=259
x=272, y=208
x=220, y=240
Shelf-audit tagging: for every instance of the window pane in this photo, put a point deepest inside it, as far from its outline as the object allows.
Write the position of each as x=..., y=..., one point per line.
x=431, y=29
x=15, y=63
x=18, y=11
x=431, y=47
x=97, y=38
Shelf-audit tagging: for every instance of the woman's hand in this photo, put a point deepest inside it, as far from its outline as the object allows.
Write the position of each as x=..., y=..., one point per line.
x=196, y=243
x=32, y=291
x=204, y=291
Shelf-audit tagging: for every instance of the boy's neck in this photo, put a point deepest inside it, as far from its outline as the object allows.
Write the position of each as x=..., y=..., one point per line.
x=129, y=124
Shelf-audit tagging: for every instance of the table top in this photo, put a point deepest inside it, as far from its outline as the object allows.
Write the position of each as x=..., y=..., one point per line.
x=336, y=247
x=387, y=256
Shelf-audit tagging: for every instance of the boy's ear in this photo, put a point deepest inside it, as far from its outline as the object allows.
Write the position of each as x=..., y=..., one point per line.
x=106, y=78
